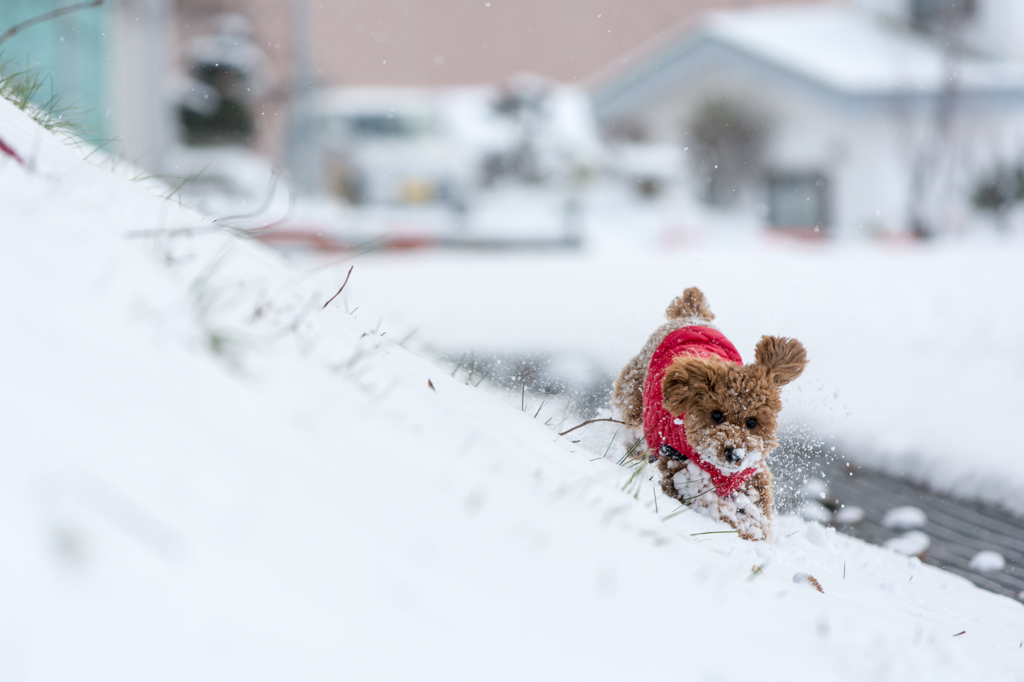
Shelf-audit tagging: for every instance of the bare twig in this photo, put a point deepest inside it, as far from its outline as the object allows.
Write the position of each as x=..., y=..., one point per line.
x=591, y=421
x=271, y=189
x=342, y=286
x=173, y=232
x=46, y=16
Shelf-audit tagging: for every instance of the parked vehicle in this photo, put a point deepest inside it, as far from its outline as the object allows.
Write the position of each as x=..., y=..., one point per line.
x=409, y=145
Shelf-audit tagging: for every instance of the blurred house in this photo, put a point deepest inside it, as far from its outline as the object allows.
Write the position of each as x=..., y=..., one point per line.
x=436, y=43
x=150, y=73
x=870, y=116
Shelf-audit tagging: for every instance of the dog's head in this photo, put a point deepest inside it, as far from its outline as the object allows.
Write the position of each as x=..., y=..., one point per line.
x=732, y=410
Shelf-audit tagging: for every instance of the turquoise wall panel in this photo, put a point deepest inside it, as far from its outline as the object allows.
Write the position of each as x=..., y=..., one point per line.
x=70, y=53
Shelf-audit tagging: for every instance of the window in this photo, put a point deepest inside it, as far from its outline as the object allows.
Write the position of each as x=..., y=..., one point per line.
x=798, y=200
x=930, y=14
x=389, y=125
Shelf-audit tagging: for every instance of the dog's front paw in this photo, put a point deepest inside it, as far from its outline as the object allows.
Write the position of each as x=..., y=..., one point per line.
x=743, y=514
x=689, y=484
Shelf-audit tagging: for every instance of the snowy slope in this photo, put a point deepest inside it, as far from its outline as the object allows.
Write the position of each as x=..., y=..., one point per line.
x=915, y=363
x=205, y=475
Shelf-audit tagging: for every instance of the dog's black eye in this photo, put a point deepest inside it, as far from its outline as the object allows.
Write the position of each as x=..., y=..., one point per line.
x=717, y=417
x=751, y=423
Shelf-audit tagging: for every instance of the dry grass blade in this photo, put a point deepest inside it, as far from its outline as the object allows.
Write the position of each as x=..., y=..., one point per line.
x=342, y=287
x=46, y=16
x=591, y=421
x=639, y=440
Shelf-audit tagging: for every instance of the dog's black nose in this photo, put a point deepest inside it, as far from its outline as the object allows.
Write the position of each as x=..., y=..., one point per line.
x=731, y=456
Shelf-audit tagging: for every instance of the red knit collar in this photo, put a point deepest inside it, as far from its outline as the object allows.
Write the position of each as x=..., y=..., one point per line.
x=725, y=484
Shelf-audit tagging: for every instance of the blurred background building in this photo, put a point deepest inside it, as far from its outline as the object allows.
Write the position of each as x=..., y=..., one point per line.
x=833, y=117
x=874, y=116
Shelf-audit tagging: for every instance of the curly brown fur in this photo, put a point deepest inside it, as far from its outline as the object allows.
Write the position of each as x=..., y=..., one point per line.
x=691, y=308
x=783, y=359
x=691, y=304
x=730, y=411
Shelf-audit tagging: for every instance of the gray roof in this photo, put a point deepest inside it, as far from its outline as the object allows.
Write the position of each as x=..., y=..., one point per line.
x=837, y=52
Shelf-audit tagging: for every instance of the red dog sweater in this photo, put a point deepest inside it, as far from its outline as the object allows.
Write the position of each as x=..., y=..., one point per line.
x=660, y=427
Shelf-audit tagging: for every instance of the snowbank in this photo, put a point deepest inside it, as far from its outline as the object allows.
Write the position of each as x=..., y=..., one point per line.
x=207, y=475
x=915, y=363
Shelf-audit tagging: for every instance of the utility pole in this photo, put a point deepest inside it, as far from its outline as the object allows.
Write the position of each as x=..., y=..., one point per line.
x=159, y=69
x=303, y=147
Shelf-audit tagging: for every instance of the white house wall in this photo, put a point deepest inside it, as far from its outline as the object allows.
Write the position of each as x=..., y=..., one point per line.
x=859, y=151
x=868, y=147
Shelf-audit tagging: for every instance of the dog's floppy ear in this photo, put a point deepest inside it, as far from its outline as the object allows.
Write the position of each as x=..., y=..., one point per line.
x=686, y=381
x=783, y=359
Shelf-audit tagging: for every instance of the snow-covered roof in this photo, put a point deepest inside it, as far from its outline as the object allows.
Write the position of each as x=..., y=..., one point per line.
x=844, y=50
x=854, y=51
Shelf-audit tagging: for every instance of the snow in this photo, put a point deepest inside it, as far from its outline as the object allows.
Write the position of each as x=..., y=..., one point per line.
x=852, y=51
x=987, y=561
x=911, y=543
x=887, y=327
x=812, y=511
x=849, y=516
x=816, y=488
x=904, y=518
x=695, y=486
x=207, y=474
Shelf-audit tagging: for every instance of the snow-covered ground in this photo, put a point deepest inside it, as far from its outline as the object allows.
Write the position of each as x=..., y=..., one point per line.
x=205, y=473
x=915, y=349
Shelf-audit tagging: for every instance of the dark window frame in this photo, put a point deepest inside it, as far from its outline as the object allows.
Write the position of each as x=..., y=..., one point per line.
x=930, y=14
x=797, y=181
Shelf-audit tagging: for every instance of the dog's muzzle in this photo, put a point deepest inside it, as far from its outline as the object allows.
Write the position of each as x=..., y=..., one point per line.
x=734, y=456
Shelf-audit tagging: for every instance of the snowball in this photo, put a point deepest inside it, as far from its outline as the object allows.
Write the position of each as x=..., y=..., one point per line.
x=987, y=562
x=849, y=516
x=812, y=511
x=912, y=543
x=904, y=518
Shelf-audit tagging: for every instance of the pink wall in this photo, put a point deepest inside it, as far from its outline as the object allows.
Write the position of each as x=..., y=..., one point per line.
x=434, y=42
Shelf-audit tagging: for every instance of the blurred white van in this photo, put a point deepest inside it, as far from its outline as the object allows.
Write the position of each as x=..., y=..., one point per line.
x=415, y=145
